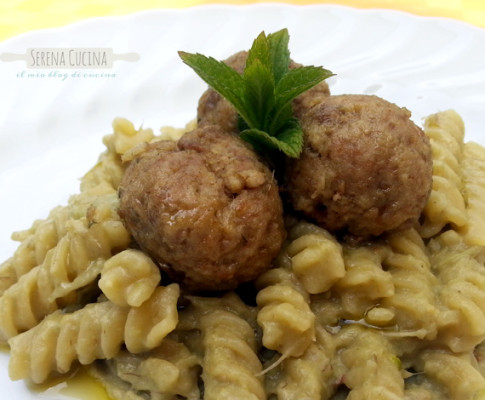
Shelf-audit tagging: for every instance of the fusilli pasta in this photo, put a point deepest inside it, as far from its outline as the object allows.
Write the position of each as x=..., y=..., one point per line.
x=367, y=365
x=148, y=324
x=413, y=298
x=446, y=203
x=129, y=278
x=461, y=272
x=317, y=261
x=285, y=316
x=35, y=243
x=44, y=235
x=474, y=180
x=93, y=332
x=455, y=372
x=365, y=282
x=72, y=264
x=230, y=364
x=310, y=376
x=110, y=168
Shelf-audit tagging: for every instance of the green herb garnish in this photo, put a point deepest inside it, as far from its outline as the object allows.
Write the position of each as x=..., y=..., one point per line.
x=262, y=95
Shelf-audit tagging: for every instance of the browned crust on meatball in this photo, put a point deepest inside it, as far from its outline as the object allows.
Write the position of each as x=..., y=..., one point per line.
x=365, y=168
x=206, y=207
x=213, y=109
x=309, y=99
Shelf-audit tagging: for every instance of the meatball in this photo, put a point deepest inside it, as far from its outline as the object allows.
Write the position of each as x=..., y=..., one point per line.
x=365, y=168
x=213, y=109
x=310, y=98
x=205, y=207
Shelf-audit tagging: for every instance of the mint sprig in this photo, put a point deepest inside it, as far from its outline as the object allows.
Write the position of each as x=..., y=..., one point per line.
x=262, y=95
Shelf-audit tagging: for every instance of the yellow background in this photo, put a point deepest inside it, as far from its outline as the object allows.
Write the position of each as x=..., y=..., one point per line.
x=19, y=16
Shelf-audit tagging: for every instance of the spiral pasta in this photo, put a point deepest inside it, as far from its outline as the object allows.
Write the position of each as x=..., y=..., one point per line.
x=125, y=136
x=93, y=332
x=109, y=168
x=461, y=271
x=8, y=274
x=446, y=203
x=365, y=281
x=317, y=260
x=310, y=376
x=129, y=278
x=148, y=324
x=230, y=364
x=474, y=188
x=44, y=235
x=311, y=262
x=359, y=294
x=367, y=365
x=455, y=373
x=413, y=298
x=72, y=264
x=122, y=146
x=285, y=316
x=35, y=243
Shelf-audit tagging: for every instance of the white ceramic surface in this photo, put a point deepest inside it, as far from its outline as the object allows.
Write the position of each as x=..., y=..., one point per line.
x=51, y=128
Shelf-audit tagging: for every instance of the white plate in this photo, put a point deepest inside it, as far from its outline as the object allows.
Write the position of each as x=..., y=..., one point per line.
x=51, y=129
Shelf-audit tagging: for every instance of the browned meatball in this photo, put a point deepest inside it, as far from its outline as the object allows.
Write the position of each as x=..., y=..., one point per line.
x=205, y=207
x=213, y=109
x=365, y=167
x=310, y=98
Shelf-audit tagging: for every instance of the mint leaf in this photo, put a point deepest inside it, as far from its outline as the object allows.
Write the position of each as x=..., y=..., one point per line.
x=259, y=52
x=296, y=81
x=221, y=77
x=265, y=143
x=259, y=89
x=280, y=118
x=279, y=53
x=292, y=136
x=262, y=95
x=260, y=140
